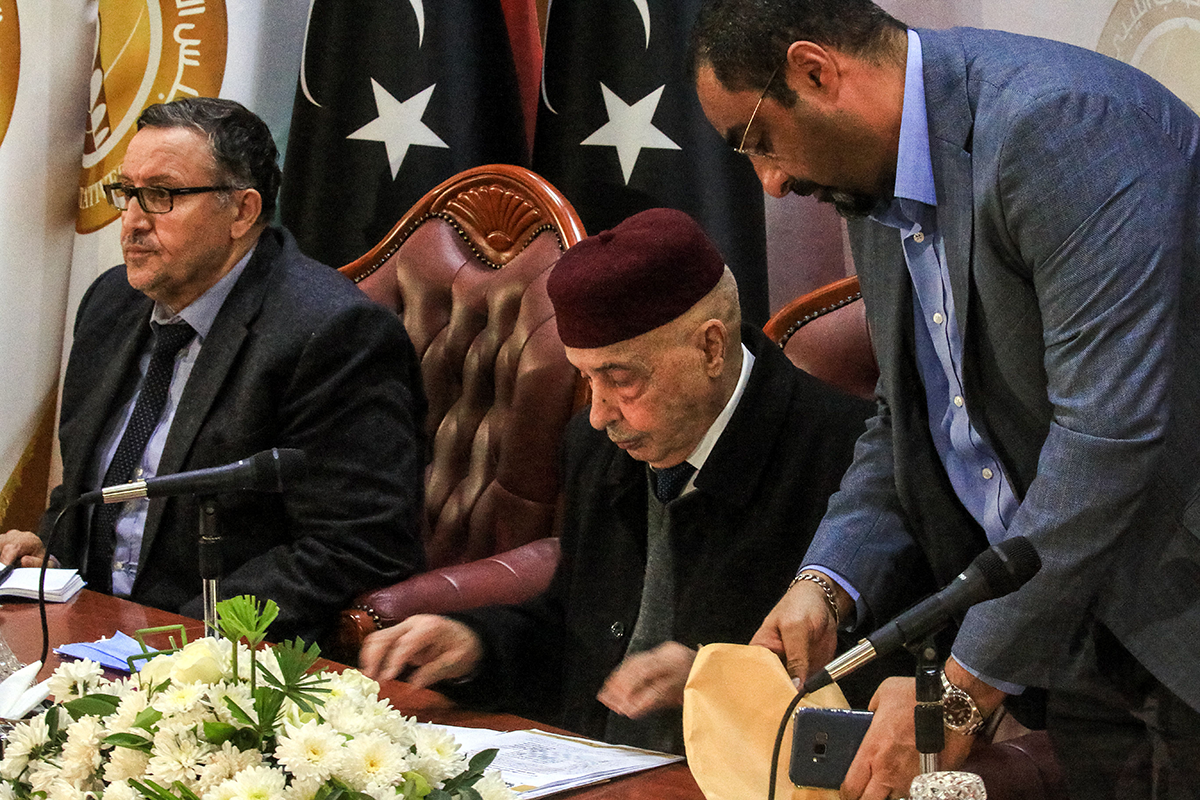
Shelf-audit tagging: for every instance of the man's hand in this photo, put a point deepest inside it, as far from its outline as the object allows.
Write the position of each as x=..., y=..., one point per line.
x=422, y=650
x=887, y=760
x=648, y=681
x=21, y=545
x=801, y=629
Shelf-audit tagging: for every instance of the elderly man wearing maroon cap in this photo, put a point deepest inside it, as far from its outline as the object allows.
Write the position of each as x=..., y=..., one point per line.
x=692, y=489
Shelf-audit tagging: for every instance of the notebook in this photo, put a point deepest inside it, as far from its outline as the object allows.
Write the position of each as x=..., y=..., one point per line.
x=61, y=584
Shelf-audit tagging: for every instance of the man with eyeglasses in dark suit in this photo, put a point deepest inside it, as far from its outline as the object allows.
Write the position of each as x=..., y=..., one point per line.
x=273, y=350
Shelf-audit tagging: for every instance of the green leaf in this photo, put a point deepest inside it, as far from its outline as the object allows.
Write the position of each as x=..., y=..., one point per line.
x=240, y=617
x=218, y=732
x=238, y=714
x=147, y=718
x=130, y=740
x=267, y=703
x=157, y=791
x=482, y=760
x=92, y=705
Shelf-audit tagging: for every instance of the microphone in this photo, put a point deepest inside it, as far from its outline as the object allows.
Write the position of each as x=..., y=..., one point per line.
x=997, y=571
x=267, y=471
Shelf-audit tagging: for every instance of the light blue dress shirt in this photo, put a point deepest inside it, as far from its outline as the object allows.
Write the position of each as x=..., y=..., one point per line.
x=131, y=520
x=974, y=471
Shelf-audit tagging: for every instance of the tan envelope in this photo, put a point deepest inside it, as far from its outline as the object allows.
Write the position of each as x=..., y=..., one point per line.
x=732, y=704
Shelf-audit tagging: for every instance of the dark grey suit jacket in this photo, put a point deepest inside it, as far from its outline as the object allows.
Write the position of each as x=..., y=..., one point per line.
x=738, y=538
x=1068, y=190
x=297, y=357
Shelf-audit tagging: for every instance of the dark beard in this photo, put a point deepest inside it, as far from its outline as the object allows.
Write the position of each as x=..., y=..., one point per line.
x=851, y=205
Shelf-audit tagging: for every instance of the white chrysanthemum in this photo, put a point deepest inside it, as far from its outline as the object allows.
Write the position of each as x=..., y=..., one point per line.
x=437, y=756
x=121, y=720
x=382, y=791
x=228, y=790
x=24, y=740
x=312, y=750
x=372, y=758
x=42, y=775
x=239, y=693
x=303, y=789
x=357, y=715
x=6, y=792
x=73, y=679
x=178, y=698
x=223, y=763
x=177, y=756
x=351, y=683
x=121, y=790
x=402, y=729
x=490, y=787
x=260, y=783
x=81, y=753
x=65, y=790
x=124, y=763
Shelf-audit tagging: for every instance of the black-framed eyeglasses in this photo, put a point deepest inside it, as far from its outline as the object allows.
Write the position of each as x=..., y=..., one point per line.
x=153, y=199
x=753, y=151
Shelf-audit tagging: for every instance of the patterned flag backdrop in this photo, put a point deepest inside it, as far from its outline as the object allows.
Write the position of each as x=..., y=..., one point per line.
x=44, y=53
x=394, y=97
x=619, y=130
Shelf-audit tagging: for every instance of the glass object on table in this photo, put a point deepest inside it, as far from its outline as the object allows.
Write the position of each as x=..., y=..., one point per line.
x=948, y=786
x=8, y=662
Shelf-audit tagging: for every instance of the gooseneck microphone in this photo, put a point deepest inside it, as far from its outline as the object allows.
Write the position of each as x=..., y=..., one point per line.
x=997, y=571
x=267, y=471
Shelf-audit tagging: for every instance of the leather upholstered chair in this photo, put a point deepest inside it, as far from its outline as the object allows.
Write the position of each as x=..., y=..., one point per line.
x=466, y=269
x=824, y=332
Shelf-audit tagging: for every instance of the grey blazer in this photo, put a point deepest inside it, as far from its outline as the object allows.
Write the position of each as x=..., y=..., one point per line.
x=1068, y=189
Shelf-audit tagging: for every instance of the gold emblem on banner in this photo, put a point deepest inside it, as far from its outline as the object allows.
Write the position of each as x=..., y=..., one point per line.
x=1162, y=39
x=147, y=52
x=10, y=62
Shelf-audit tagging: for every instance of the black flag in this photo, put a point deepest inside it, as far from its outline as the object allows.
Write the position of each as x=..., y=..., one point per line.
x=394, y=97
x=620, y=130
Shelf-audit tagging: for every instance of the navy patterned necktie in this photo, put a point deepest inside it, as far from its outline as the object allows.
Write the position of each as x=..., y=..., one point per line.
x=669, y=481
x=151, y=400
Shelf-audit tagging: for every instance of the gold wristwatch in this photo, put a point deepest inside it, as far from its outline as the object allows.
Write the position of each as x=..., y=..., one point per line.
x=959, y=711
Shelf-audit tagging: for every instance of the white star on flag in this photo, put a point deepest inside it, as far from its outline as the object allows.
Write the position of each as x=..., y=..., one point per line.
x=399, y=125
x=630, y=128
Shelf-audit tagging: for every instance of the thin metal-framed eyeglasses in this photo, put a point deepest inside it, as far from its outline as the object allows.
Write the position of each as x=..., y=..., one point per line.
x=754, y=152
x=153, y=199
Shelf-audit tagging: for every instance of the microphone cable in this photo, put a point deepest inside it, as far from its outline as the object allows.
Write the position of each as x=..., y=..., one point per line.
x=42, y=578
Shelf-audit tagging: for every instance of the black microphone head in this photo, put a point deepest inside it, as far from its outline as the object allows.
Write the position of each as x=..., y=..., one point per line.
x=1008, y=566
x=273, y=469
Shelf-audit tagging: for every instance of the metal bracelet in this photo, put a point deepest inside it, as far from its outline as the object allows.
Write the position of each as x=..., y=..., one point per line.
x=830, y=595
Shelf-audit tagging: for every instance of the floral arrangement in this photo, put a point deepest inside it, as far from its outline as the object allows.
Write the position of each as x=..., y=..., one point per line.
x=223, y=719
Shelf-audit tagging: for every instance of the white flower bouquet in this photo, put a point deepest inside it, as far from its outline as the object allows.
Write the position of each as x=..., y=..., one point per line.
x=222, y=719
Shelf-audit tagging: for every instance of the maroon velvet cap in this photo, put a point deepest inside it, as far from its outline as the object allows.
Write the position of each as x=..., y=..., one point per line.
x=621, y=283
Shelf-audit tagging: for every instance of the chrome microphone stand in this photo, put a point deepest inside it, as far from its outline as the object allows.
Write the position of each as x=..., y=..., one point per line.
x=210, y=561
x=927, y=716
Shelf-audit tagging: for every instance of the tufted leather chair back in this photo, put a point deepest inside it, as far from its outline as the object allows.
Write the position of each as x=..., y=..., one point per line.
x=465, y=269
x=824, y=332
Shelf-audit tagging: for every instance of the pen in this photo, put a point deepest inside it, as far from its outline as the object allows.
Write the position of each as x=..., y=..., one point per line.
x=6, y=571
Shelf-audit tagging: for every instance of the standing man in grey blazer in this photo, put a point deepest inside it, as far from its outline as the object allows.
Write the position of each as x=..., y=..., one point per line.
x=1024, y=216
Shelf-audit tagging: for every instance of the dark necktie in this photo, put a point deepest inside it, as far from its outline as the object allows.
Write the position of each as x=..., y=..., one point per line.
x=168, y=341
x=669, y=481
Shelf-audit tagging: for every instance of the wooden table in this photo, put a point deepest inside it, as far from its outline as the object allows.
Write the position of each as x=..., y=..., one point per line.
x=91, y=615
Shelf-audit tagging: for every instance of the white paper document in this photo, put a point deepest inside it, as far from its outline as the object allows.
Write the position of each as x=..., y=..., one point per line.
x=61, y=584
x=535, y=763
